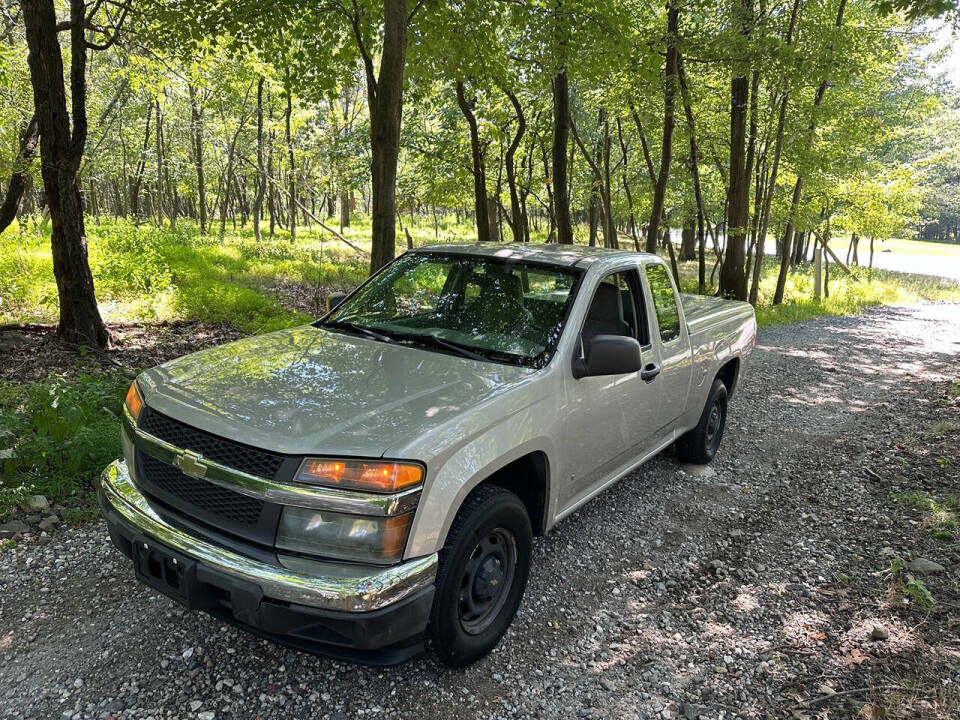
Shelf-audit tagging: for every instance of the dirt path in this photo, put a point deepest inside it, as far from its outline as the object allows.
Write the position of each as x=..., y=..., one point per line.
x=749, y=590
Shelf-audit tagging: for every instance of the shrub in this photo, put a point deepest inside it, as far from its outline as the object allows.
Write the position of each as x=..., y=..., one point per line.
x=58, y=434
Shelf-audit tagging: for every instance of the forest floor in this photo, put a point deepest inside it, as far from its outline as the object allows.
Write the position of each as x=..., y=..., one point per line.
x=813, y=570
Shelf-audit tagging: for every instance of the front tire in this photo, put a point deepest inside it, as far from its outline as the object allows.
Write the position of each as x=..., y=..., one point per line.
x=699, y=445
x=481, y=576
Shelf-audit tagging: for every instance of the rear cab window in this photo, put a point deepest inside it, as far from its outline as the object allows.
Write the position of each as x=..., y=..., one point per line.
x=664, y=301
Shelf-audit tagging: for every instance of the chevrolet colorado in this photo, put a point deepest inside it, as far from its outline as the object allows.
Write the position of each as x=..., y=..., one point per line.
x=369, y=485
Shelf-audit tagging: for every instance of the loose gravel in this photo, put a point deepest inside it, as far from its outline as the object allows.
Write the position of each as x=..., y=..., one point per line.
x=766, y=585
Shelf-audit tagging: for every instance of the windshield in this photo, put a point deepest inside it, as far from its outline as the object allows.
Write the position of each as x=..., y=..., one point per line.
x=481, y=307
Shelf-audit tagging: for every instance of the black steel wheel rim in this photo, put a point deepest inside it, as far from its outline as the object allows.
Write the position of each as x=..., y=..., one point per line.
x=714, y=424
x=486, y=580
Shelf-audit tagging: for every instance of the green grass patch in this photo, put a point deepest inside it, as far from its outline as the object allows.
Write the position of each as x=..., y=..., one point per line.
x=149, y=273
x=941, y=516
x=56, y=435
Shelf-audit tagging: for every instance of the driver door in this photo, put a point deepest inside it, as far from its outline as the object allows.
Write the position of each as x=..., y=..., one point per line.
x=607, y=424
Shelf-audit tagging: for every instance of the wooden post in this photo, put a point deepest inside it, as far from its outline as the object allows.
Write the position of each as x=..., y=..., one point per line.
x=817, y=279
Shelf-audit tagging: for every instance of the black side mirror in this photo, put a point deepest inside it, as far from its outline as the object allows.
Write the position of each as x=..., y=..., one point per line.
x=607, y=355
x=334, y=299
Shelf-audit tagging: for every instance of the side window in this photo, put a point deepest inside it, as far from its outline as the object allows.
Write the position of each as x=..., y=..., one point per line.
x=614, y=309
x=664, y=302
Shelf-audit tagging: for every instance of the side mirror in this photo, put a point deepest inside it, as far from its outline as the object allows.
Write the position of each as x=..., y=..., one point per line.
x=608, y=355
x=334, y=299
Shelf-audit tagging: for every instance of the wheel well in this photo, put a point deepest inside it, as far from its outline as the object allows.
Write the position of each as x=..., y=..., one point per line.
x=729, y=374
x=527, y=477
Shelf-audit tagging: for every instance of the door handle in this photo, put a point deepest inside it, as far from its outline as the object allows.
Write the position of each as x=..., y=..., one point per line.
x=649, y=372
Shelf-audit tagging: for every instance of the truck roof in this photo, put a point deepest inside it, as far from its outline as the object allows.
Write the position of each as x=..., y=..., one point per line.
x=553, y=253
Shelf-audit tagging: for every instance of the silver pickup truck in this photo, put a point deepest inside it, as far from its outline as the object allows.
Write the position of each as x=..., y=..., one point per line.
x=369, y=485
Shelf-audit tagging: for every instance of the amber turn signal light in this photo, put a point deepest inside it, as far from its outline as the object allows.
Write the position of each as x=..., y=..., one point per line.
x=132, y=402
x=383, y=477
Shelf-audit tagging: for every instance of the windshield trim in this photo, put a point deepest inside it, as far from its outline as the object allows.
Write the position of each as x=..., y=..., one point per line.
x=538, y=361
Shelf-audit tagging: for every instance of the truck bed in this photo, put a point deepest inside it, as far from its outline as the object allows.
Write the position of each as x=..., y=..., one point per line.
x=705, y=311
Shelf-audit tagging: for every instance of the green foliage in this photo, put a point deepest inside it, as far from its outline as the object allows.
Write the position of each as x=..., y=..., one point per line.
x=59, y=433
x=917, y=591
x=941, y=516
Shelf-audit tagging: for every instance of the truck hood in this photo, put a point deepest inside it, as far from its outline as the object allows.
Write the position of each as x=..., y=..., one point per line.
x=312, y=391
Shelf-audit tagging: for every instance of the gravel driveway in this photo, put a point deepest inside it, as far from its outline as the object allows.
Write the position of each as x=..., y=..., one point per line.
x=759, y=587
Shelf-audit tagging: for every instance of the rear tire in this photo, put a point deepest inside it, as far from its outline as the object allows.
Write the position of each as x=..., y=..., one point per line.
x=699, y=445
x=481, y=576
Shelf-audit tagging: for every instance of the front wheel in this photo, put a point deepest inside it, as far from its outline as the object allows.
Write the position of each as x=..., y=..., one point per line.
x=699, y=445
x=481, y=576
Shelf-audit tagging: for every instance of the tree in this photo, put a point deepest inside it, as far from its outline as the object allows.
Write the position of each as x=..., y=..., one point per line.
x=61, y=152
x=666, y=151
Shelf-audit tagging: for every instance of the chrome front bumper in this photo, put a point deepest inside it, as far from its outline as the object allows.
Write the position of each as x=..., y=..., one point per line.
x=335, y=586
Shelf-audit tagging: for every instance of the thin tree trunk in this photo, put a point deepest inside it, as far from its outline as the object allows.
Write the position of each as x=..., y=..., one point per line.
x=702, y=218
x=561, y=132
x=292, y=177
x=141, y=168
x=772, y=181
x=669, y=101
x=516, y=210
x=477, y=155
x=798, y=185
x=18, y=177
x=261, y=170
x=196, y=128
x=626, y=188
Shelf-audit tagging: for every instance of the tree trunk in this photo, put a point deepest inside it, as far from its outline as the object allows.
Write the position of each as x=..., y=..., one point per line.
x=733, y=281
x=702, y=218
x=141, y=168
x=609, y=228
x=493, y=214
x=261, y=170
x=626, y=187
x=18, y=177
x=292, y=178
x=561, y=135
x=669, y=101
x=688, y=243
x=516, y=210
x=196, y=128
x=344, y=209
x=61, y=151
x=385, y=99
x=478, y=159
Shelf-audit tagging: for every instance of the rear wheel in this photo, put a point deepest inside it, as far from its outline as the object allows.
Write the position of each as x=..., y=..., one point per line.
x=699, y=445
x=481, y=576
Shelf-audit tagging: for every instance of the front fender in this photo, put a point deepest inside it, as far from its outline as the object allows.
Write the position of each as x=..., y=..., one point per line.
x=471, y=464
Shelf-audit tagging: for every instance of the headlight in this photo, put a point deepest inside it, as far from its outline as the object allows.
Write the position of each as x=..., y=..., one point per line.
x=346, y=537
x=381, y=477
x=133, y=402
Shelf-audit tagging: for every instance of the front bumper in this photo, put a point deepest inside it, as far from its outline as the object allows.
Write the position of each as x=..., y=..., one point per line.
x=358, y=613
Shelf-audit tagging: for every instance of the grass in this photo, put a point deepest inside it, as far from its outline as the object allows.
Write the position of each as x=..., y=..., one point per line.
x=941, y=516
x=148, y=273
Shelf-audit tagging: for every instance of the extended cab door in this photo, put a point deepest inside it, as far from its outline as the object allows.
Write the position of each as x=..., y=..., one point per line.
x=610, y=418
x=671, y=347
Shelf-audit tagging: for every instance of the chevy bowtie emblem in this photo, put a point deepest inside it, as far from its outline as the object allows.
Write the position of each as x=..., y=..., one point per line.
x=190, y=464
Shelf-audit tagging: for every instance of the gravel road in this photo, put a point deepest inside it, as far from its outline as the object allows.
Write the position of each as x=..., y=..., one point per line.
x=759, y=587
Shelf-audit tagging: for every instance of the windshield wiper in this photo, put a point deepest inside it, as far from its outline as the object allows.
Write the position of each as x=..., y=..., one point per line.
x=358, y=329
x=440, y=342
